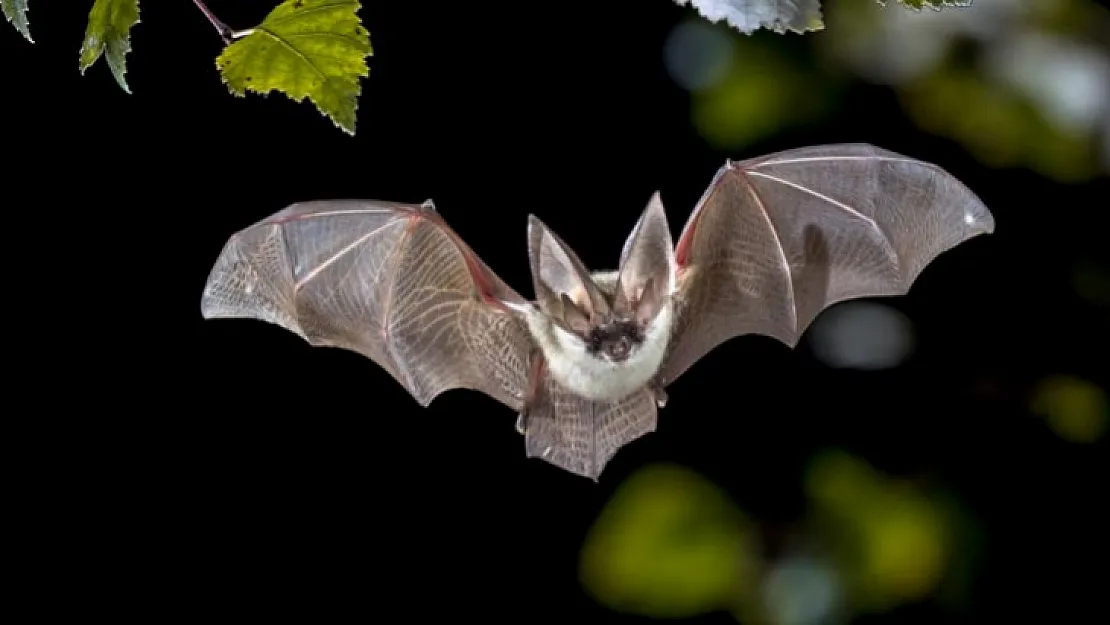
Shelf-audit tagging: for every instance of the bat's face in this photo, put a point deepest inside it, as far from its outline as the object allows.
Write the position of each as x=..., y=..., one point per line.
x=615, y=341
x=613, y=336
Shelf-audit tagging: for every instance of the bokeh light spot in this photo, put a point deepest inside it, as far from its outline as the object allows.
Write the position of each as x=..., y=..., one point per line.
x=862, y=335
x=905, y=550
x=669, y=544
x=894, y=541
x=1075, y=409
x=697, y=54
x=801, y=590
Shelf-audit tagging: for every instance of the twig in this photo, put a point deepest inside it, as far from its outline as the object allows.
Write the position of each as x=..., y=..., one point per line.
x=225, y=31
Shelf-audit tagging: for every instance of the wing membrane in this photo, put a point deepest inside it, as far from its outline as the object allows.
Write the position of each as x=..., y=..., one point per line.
x=777, y=239
x=390, y=281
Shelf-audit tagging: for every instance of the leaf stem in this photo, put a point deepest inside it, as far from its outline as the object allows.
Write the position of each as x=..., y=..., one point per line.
x=225, y=31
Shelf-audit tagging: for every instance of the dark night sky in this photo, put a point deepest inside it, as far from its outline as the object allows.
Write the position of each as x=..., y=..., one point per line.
x=270, y=479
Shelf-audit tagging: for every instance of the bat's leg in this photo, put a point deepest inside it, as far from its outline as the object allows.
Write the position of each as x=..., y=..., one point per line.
x=656, y=388
x=535, y=374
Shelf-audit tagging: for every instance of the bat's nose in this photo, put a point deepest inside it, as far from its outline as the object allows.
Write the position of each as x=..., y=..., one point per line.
x=619, y=350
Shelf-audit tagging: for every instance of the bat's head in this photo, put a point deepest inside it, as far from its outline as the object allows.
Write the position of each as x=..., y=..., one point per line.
x=613, y=319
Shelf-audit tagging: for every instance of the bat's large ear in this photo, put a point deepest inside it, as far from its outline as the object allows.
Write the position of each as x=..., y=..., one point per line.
x=647, y=267
x=556, y=270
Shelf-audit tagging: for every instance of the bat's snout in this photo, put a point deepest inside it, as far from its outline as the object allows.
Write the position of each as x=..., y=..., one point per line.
x=619, y=349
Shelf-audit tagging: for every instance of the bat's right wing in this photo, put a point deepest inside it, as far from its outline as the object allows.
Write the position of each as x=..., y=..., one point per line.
x=775, y=240
x=390, y=281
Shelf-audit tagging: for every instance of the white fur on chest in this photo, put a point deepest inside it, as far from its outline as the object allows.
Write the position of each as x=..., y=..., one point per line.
x=594, y=378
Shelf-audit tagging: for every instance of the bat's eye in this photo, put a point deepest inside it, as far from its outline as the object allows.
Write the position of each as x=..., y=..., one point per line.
x=594, y=342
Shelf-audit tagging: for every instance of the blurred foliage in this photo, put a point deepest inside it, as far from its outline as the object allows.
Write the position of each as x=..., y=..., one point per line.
x=892, y=542
x=1017, y=83
x=1075, y=409
x=760, y=92
x=998, y=126
x=670, y=544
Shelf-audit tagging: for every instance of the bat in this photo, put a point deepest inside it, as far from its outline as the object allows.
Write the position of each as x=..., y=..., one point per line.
x=771, y=243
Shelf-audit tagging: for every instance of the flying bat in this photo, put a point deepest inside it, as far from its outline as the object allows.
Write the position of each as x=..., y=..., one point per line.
x=772, y=242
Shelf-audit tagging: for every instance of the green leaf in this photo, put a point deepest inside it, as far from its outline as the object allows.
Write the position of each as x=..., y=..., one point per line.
x=110, y=23
x=935, y=5
x=16, y=12
x=748, y=16
x=313, y=49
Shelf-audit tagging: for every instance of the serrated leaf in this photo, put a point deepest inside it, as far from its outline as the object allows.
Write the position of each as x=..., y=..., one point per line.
x=748, y=16
x=16, y=12
x=935, y=5
x=313, y=49
x=110, y=23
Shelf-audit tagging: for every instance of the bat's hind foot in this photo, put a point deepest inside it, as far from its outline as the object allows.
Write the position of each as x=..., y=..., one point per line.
x=659, y=394
x=535, y=373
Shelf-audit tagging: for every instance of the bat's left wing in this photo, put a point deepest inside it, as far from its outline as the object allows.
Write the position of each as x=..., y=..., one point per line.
x=775, y=240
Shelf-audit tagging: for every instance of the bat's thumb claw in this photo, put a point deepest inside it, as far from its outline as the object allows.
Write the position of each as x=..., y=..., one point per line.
x=522, y=423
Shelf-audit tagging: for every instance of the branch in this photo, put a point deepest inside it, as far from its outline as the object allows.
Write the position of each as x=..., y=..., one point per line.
x=225, y=31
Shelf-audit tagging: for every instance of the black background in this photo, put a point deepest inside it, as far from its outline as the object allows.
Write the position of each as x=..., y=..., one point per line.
x=242, y=474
